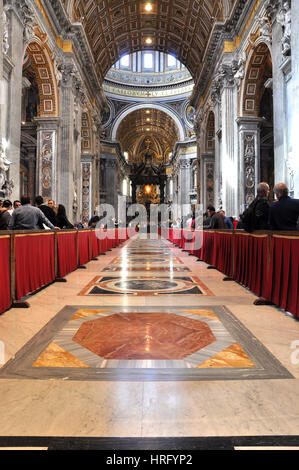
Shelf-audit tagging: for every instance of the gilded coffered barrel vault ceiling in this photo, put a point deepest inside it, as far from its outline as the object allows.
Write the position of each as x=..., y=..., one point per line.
x=148, y=129
x=117, y=27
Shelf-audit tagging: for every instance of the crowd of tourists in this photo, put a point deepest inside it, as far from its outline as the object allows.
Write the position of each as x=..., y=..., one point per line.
x=21, y=215
x=281, y=214
x=261, y=214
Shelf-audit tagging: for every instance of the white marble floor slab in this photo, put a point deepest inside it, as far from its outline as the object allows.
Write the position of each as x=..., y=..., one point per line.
x=151, y=409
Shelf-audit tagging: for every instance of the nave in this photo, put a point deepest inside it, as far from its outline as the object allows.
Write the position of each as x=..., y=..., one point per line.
x=148, y=347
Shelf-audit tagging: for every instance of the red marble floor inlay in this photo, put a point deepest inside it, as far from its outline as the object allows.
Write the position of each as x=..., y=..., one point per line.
x=137, y=336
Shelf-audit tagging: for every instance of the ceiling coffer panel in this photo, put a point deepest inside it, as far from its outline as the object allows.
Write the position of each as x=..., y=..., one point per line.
x=111, y=25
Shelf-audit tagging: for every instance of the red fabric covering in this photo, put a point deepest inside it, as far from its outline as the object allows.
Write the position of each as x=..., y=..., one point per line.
x=96, y=242
x=84, y=243
x=34, y=262
x=266, y=264
x=5, y=299
x=67, y=253
x=177, y=236
x=223, y=247
x=283, y=285
x=122, y=234
x=104, y=241
x=251, y=261
x=207, y=253
x=110, y=239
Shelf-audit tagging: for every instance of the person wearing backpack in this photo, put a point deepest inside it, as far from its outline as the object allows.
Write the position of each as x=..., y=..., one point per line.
x=256, y=216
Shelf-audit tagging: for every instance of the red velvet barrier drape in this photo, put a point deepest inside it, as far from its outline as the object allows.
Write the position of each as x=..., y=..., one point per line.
x=5, y=298
x=177, y=236
x=267, y=264
x=283, y=285
x=110, y=239
x=223, y=246
x=104, y=242
x=67, y=253
x=207, y=253
x=84, y=243
x=122, y=234
x=96, y=243
x=251, y=262
x=34, y=262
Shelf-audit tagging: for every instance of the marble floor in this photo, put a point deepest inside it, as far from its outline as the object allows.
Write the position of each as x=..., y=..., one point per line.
x=147, y=342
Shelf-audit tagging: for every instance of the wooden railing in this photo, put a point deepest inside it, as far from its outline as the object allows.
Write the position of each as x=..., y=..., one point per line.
x=31, y=260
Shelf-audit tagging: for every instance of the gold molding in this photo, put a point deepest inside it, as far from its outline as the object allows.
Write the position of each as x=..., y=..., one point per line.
x=231, y=46
x=66, y=46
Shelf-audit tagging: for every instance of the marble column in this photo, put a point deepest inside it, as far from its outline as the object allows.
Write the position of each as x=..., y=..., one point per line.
x=185, y=180
x=12, y=95
x=294, y=160
x=112, y=182
x=31, y=159
x=284, y=94
x=249, y=163
x=69, y=190
x=216, y=101
x=2, y=48
x=207, y=180
x=229, y=157
x=87, y=188
x=47, y=171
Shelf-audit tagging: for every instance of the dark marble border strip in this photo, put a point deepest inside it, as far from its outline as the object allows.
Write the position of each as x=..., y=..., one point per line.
x=191, y=444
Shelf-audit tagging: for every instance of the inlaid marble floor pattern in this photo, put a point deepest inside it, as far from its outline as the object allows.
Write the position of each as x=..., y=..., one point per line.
x=152, y=337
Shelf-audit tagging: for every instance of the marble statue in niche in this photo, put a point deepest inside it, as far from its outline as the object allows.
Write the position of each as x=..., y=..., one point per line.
x=265, y=29
x=5, y=34
x=285, y=20
x=5, y=184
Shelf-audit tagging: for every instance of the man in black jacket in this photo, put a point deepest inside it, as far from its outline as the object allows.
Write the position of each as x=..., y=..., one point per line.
x=256, y=216
x=47, y=210
x=284, y=213
x=217, y=219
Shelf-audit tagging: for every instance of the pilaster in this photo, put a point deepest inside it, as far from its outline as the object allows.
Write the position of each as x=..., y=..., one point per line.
x=249, y=163
x=229, y=151
x=47, y=170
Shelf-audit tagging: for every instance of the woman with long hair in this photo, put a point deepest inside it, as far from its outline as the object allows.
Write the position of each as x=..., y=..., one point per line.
x=61, y=218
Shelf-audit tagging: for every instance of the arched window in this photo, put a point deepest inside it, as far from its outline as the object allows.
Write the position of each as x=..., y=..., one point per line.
x=148, y=61
x=171, y=62
x=125, y=61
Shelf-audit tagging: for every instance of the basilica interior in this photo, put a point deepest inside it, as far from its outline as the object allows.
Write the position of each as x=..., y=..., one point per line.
x=181, y=103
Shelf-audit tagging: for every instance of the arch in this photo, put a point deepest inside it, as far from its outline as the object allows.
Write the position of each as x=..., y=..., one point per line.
x=42, y=65
x=133, y=108
x=252, y=90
